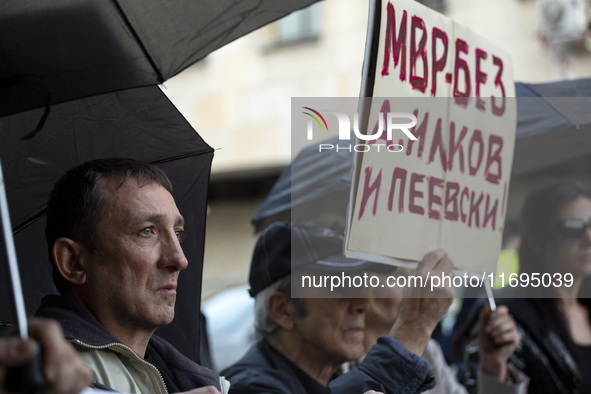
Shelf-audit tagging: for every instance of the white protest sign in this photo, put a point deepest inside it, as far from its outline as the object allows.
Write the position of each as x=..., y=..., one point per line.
x=446, y=187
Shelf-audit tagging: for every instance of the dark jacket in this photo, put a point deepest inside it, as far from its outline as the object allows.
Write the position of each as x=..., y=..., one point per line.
x=388, y=368
x=541, y=354
x=81, y=326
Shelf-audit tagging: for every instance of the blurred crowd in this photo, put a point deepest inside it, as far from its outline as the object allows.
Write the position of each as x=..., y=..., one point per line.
x=116, y=270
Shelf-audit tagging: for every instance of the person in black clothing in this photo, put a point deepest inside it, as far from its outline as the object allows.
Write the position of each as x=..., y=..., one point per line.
x=305, y=340
x=555, y=321
x=113, y=233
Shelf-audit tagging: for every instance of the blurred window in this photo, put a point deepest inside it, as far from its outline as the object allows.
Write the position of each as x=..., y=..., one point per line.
x=437, y=5
x=297, y=27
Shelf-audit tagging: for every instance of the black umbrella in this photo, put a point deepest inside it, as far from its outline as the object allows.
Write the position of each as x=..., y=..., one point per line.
x=140, y=123
x=553, y=126
x=52, y=51
x=315, y=183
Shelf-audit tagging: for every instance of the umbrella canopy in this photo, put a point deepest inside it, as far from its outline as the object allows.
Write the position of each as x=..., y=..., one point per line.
x=141, y=124
x=315, y=183
x=52, y=51
x=553, y=126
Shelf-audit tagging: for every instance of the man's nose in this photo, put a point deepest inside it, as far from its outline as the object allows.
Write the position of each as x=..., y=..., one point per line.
x=358, y=305
x=173, y=258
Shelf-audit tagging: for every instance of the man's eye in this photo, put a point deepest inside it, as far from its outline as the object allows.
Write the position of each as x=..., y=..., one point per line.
x=179, y=234
x=146, y=231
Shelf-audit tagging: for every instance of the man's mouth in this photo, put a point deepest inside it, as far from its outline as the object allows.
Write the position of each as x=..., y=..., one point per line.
x=169, y=289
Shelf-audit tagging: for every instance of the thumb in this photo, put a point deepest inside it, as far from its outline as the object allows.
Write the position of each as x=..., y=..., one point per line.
x=483, y=319
x=15, y=352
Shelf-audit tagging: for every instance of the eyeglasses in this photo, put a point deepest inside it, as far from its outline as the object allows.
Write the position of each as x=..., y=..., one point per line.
x=572, y=230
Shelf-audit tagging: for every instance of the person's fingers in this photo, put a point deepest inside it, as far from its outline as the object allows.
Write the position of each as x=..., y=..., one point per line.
x=430, y=260
x=483, y=319
x=500, y=326
x=507, y=338
x=501, y=310
x=61, y=364
x=73, y=377
x=72, y=374
x=445, y=265
x=50, y=336
x=501, y=314
x=493, y=323
x=15, y=352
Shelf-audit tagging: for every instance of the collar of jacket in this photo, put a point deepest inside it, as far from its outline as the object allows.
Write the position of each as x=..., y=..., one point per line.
x=80, y=325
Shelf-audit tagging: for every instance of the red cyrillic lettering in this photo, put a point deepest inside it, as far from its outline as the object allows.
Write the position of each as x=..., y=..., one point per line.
x=494, y=158
x=499, y=111
x=434, y=199
x=399, y=173
x=476, y=138
x=480, y=78
x=454, y=187
x=419, y=132
x=412, y=207
x=456, y=146
x=475, y=209
x=490, y=214
x=461, y=98
x=368, y=190
x=437, y=144
x=465, y=193
x=418, y=83
x=395, y=46
x=438, y=64
x=384, y=112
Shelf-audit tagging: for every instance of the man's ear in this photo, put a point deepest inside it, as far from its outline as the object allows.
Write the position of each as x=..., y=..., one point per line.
x=281, y=310
x=68, y=258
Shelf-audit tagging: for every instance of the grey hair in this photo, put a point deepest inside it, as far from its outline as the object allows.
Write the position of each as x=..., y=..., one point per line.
x=264, y=324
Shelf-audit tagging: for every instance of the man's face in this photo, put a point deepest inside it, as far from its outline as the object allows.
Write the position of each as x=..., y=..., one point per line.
x=334, y=326
x=133, y=276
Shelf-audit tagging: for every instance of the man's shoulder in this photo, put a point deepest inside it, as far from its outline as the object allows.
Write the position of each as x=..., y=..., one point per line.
x=77, y=322
x=258, y=379
x=257, y=359
x=256, y=372
x=81, y=327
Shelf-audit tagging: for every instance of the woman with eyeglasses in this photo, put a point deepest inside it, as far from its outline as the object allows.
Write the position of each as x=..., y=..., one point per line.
x=554, y=321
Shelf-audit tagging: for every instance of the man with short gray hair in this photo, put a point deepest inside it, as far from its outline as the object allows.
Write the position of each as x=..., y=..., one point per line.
x=304, y=341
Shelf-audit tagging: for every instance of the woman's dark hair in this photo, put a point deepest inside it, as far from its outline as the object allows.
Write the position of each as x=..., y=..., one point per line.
x=539, y=219
x=540, y=216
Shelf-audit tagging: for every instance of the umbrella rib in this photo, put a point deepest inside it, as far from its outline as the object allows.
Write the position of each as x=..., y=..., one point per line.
x=560, y=113
x=29, y=221
x=139, y=42
x=42, y=212
x=180, y=157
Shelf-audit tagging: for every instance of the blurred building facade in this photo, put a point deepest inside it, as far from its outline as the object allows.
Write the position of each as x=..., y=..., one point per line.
x=238, y=98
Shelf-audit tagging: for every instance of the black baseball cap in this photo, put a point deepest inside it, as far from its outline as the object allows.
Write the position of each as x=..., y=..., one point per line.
x=284, y=246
